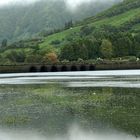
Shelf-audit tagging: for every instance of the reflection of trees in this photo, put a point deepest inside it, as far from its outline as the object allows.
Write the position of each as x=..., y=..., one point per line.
x=112, y=107
x=53, y=108
x=124, y=109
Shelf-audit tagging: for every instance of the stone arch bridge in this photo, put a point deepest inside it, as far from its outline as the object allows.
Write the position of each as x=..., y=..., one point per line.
x=61, y=68
x=66, y=67
x=47, y=68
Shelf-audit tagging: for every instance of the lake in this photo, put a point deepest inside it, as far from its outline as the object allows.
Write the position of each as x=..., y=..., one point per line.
x=98, y=105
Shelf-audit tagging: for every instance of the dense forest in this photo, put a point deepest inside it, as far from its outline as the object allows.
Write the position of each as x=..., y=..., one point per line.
x=111, y=35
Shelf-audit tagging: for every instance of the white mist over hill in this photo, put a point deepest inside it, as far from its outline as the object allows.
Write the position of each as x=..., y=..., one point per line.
x=75, y=133
x=75, y=3
x=7, y=2
x=71, y=3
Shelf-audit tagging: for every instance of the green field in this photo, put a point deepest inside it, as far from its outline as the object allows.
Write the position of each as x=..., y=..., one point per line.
x=119, y=20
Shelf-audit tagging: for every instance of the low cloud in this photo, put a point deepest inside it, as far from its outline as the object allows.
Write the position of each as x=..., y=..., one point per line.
x=70, y=3
x=75, y=3
x=75, y=133
x=7, y=2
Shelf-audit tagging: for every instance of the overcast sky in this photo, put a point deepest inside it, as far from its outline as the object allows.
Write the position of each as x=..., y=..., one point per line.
x=72, y=3
x=5, y=2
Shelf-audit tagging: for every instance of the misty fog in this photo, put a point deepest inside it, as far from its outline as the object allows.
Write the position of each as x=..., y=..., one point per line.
x=75, y=133
x=71, y=3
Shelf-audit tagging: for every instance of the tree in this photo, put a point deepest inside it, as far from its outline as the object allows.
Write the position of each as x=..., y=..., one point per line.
x=33, y=58
x=16, y=56
x=51, y=57
x=67, y=52
x=86, y=30
x=93, y=47
x=4, y=43
x=74, y=51
x=106, y=49
x=124, y=45
x=68, y=24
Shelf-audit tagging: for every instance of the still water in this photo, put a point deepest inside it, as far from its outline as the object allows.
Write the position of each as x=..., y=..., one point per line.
x=99, y=105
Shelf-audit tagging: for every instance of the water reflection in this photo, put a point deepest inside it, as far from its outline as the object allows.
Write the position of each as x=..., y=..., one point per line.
x=50, y=109
x=77, y=79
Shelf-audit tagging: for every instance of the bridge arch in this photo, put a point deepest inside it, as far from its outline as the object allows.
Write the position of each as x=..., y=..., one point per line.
x=43, y=69
x=64, y=68
x=91, y=67
x=54, y=69
x=83, y=68
x=74, y=68
x=33, y=69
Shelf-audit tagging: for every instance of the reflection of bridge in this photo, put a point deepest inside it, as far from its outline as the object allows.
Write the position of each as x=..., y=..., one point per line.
x=66, y=67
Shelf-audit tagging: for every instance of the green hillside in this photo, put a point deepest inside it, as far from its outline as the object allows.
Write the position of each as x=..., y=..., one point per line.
x=119, y=15
x=129, y=19
x=22, y=22
x=112, y=34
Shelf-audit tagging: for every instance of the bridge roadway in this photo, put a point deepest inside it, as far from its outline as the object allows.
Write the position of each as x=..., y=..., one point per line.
x=66, y=67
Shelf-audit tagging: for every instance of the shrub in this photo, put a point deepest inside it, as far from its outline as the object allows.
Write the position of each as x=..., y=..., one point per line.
x=55, y=42
x=99, y=60
x=51, y=58
x=80, y=60
x=133, y=59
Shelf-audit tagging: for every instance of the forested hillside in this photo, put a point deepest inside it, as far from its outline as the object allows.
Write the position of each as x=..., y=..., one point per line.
x=122, y=14
x=113, y=35
x=20, y=22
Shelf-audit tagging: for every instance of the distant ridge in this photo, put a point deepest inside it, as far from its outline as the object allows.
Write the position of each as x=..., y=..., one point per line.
x=22, y=22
